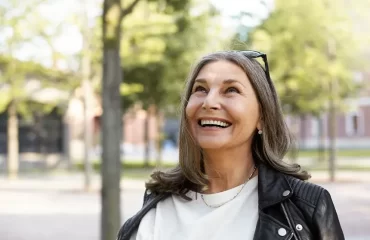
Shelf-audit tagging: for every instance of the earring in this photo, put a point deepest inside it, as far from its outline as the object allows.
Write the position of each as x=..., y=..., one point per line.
x=259, y=132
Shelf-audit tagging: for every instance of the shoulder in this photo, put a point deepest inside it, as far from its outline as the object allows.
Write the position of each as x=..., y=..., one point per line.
x=316, y=205
x=308, y=192
x=150, y=201
x=153, y=198
x=315, y=202
x=275, y=186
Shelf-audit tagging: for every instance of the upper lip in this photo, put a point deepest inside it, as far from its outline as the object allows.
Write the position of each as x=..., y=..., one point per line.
x=214, y=119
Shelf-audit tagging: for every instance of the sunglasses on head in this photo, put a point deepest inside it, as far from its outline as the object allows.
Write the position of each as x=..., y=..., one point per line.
x=256, y=54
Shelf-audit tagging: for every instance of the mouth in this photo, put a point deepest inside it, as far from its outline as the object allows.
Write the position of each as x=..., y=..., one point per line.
x=213, y=123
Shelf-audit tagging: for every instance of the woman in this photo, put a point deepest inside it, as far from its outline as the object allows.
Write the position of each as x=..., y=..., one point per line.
x=231, y=182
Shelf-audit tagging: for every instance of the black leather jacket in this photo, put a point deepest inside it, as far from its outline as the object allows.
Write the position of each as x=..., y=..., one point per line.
x=289, y=209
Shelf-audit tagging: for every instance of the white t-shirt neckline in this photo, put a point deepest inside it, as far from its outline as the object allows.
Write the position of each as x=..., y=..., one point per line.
x=225, y=196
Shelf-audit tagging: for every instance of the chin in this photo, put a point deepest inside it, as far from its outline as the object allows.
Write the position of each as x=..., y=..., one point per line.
x=212, y=144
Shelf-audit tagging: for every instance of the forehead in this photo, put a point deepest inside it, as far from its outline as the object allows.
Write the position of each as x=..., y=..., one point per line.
x=222, y=70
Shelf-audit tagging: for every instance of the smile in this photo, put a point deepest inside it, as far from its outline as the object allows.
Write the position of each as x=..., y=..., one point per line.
x=213, y=123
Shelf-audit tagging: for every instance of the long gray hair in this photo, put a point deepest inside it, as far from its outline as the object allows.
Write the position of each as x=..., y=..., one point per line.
x=268, y=148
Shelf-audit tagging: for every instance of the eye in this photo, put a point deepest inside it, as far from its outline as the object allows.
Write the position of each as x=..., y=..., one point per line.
x=232, y=90
x=199, y=89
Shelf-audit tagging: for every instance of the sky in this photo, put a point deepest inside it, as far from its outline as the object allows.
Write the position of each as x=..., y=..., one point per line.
x=231, y=8
x=71, y=42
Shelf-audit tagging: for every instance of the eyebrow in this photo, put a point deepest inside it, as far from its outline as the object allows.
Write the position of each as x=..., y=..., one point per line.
x=226, y=81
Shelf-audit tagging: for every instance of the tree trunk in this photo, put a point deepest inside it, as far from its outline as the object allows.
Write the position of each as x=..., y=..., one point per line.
x=332, y=113
x=146, y=140
x=321, y=139
x=332, y=139
x=87, y=90
x=13, y=141
x=160, y=137
x=303, y=131
x=66, y=147
x=111, y=120
x=42, y=136
x=87, y=134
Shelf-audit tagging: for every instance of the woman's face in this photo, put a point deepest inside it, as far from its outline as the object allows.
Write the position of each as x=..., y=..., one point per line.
x=223, y=110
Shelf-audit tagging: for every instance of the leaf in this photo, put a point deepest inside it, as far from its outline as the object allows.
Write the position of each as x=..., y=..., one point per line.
x=129, y=89
x=5, y=99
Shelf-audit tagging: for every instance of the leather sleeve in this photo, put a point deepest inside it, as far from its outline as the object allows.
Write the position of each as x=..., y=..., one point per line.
x=325, y=219
x=145, y=197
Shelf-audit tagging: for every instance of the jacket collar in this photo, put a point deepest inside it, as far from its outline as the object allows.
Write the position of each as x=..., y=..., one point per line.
x=273, y=187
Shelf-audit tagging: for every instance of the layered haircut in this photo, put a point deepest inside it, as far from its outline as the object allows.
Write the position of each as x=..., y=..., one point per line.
x=268, y=148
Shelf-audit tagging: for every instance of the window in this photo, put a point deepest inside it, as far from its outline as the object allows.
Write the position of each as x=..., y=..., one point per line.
x=354, y=123
x=314, y=127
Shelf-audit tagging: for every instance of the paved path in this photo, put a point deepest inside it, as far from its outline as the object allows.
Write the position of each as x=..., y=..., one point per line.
x=54, y=207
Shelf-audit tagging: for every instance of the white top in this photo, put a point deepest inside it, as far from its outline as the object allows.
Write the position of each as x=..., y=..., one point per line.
x=177, y=219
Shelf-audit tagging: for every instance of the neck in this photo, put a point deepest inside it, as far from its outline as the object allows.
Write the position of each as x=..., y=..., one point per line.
x=227, y=169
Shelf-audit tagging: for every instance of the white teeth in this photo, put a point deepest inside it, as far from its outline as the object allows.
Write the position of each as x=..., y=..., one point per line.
x=214, y=122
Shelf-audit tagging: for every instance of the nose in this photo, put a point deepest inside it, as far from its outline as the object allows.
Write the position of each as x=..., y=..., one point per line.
x=212, y=101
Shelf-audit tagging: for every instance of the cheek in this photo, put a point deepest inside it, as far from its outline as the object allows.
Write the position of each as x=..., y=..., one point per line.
x=191, y=108
x=246, y=112
x=253, y=116
x=188, y=112
x=190, y=116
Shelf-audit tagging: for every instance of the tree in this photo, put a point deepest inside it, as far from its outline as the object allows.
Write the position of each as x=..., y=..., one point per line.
x=87, y=92
x=298, y=32
x=161, y=48
x=16, y=98
x=113, y=14
x=299, y=37
x=82, y=20
x=11, y=77
x=20, y=25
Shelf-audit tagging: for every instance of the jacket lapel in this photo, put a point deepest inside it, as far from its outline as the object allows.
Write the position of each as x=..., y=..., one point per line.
x=273, y=188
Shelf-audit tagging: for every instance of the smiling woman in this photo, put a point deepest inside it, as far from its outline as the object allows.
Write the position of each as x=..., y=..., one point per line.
x=231, y=181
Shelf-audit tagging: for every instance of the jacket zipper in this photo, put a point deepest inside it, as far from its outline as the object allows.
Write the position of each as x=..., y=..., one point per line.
x=291, y=236
x=290, y=224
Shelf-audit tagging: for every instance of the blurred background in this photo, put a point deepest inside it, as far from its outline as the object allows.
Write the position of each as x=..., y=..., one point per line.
x=71, y=71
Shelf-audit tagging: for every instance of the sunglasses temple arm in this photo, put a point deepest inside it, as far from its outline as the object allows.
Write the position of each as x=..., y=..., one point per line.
x=267, y=68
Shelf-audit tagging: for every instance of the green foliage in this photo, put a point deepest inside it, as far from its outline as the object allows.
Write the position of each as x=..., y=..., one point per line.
x=32, y=69
x=129, y=89
x=5, y=99
x=13, y=80
x=24, y=26
x=171, y=7
x=307, y=43
x=158, y=48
